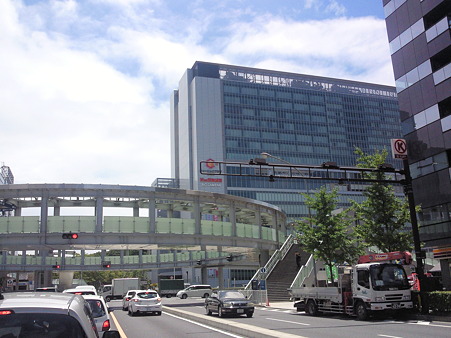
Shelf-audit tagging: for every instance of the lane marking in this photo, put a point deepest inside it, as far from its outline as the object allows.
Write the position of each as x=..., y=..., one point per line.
x=429, y=324
x=384, y=335
x=203, y=325
x=116, y=323
x=287, y=321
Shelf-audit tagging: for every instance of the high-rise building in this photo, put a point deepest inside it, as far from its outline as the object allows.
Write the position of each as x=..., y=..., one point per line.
x=231, y=113
x=420, y=43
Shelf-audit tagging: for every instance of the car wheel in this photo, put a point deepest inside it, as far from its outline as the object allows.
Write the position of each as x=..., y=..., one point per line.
x=361, y=311
x=108, y=298
x=220, y=313
x=311, y=308
x=249, y=315
x=124, y=308
x=130, y=312
x=184, y=296
x=158, y=313
x=208, y=311
x=206, y=295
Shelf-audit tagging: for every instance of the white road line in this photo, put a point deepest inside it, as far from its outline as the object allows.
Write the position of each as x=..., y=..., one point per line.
x=202, y=325
x=287, y=321
x=429, y=324
x=384, y=335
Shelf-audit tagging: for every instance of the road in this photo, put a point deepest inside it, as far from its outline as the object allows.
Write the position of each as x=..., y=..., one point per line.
x=277, y=322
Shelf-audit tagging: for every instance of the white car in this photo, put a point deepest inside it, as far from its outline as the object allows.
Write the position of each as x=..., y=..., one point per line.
x=203, y=291
x=127, y=297
x=87, y=287
x=145, y=301
x=81, y=291
x=41, y=314
x=100, y=313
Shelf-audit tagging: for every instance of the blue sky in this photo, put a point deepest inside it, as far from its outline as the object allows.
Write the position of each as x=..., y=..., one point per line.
x=86, y=84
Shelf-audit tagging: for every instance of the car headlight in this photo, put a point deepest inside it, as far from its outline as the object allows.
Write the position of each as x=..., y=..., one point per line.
x=227, y=304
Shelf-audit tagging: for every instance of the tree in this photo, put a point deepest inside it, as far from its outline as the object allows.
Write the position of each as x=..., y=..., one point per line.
x=327, y=234
x=382, y=216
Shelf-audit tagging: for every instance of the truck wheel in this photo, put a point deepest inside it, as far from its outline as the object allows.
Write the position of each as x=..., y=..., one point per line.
x=311, y=308
x=168, y=296
x=184, y=296
x=206, y=295
x=108, y=298
x=361, y=311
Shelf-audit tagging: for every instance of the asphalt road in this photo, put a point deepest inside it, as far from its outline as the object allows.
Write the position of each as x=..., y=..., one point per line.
x=272, y=321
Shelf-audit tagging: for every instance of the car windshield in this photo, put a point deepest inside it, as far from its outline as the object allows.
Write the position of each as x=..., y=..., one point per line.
x=97, y=308
x=389, y=277
x=147, y=295
x=230, y=295
x=37, y=325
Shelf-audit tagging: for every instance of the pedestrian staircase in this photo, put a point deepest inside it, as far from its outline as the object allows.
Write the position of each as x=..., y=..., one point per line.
x=283, y=275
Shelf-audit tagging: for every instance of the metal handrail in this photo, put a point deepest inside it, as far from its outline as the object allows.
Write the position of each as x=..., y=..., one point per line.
x=303, y=273
x=272, y=262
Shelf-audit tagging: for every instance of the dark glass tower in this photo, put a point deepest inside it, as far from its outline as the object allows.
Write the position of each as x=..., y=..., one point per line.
x=420, y=44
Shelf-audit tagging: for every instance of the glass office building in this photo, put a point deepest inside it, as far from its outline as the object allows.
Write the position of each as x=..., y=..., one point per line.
x=231, y=113
x=420, y=43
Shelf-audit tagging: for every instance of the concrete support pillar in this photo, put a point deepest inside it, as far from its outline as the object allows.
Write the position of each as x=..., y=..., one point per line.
x=122, y=257
x=446, y=273
x=258, y=222
x=44, y=212
x=232, y=215
x=204, y=275
x=263, y=257
x=140, y=259
x=136, y=210
x=82, y=257
x=221, y=277
x=18, y=211
x=56, y=210
x=197, y=216
x=99, y=214
x=152, y=221
x=66, y=280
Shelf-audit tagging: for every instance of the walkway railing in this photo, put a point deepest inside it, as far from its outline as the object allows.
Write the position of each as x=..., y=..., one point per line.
x=303, y=273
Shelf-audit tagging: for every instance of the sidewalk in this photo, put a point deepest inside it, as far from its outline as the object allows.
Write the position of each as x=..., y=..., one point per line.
x=418, y=316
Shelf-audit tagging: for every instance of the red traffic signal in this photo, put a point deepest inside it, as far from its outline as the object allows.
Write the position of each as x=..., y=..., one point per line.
x=106, y=264
x=70, y=235
x=56, y=267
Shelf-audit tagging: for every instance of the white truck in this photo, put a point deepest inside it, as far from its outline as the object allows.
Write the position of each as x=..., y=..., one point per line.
x=375, y=284
x=119, y=287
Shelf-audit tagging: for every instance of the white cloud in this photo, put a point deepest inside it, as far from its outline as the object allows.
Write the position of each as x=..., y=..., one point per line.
x=85, y=96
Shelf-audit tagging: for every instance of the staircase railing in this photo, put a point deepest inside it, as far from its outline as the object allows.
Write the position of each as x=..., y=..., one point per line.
x=303, y=273
x=272, y=262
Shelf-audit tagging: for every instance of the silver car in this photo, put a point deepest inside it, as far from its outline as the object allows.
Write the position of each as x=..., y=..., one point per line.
x=100, y=312
x=145, y=301
x=47, y=314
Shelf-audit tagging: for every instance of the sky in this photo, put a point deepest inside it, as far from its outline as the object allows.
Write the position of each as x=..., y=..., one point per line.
x=86, y=85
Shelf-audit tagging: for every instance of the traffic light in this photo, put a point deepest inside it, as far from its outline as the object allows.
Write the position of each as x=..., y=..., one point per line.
x=229, y=258
x=106, y=264
x=70, y=235
x=56, y=267
x=199, y=262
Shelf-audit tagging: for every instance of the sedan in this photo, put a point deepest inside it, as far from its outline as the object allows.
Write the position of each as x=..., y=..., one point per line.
x=228, y=303
x=100, y=312
x=146, y=301
x=127, y=297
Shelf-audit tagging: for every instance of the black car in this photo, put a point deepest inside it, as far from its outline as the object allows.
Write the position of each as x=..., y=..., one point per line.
x=228, y=303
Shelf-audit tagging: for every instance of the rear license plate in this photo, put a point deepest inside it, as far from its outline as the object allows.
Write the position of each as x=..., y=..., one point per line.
x=240, y=311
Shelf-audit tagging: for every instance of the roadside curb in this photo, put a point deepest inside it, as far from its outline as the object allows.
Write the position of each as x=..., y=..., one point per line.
x=245, y=330
x=433, y=318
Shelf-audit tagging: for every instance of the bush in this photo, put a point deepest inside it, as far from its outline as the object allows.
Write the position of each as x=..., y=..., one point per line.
x=439, y=301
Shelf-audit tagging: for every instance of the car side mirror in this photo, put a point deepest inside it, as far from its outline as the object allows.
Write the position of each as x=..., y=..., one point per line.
x=111, y=334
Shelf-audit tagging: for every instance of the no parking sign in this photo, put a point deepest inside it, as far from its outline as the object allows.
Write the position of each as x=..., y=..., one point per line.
x=399, y=148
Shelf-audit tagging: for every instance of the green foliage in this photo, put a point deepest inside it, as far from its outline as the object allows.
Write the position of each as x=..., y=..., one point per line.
x=326, y=234
x=439, y=301
x=382, y=216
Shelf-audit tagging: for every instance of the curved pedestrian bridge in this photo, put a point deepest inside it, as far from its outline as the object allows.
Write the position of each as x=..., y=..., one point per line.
x=167, y=226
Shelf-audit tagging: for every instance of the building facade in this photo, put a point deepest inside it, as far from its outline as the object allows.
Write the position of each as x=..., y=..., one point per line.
x=231, y=113
x=420, y=44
